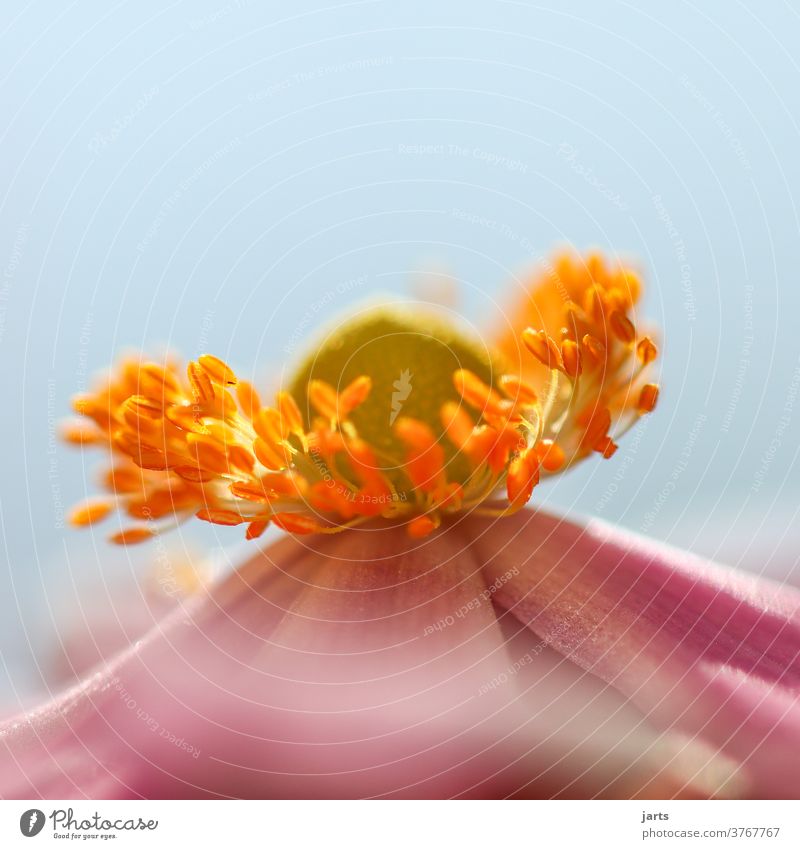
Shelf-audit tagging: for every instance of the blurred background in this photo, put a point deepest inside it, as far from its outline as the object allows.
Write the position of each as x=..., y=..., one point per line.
x=219, y=176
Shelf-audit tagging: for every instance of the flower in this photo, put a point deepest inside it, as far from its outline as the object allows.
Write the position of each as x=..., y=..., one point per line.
x=436, y=650
x=334, y=451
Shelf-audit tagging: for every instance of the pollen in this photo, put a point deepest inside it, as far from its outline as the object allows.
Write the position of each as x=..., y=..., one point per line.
x=394, y=414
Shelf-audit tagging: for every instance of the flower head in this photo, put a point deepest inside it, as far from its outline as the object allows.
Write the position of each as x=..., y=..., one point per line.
x=395, y=414
x=530, y=657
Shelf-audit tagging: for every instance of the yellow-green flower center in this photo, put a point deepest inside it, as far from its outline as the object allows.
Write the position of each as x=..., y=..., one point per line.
x=411, y=358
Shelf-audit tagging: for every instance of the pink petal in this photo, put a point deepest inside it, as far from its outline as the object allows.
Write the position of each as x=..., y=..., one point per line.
x=370, y=666
x=87, y=638
x=696, y=646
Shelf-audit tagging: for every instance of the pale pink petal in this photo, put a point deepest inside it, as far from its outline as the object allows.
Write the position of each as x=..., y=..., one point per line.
x=358, y=665
x=696, y=646
x=88, y=637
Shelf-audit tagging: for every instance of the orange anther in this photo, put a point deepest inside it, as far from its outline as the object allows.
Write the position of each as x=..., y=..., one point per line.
x=476, y=393
x=248, y=398
x=296, y=523
x=646, y=351
x=594, y=304
x=241, y=457
x=89, y=512
x=333, y=499
x=521, y=478
x=353, y=395
x=598, y=427
x=145, y=407
x=200, y=383
x=506, y=442
x=593, y=349
x=480, y=444
x=184, y=416
x=414, y=433
x=425, y=458
x=155, y=461
x=194, y=474
x=250, y=491
x=456, y=423
x=622, y=327
x=267, y=424
x=255, y=529
x=121, y=480
x=289, y=484
x=542, y=347
x=219, y=372
x=81, y=433
x=423, y=525
x=210, y=455
x=517, y=390
x=365, y=465
x=131, y=536
x=157, y=382
x=648, y=398
x=270, y=456
x=291, y=418
x=550, y=454
x=605, y=446
x=324, y=399
x=220, y=517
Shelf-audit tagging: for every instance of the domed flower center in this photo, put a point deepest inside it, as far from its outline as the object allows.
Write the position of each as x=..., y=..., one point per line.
x=409, y=359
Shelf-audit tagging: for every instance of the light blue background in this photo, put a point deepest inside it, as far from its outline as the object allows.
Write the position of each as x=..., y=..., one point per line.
x=208, y=175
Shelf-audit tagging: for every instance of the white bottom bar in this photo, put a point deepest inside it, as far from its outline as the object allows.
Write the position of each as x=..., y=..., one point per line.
x=387, y=824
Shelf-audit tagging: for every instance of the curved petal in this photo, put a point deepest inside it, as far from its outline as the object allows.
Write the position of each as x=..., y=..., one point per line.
x=697, y=646
x=372, y=665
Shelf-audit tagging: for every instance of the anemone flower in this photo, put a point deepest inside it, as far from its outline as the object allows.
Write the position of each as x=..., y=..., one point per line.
x=419, y=632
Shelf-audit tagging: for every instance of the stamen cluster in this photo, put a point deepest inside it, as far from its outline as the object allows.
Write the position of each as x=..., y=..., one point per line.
x=199, y=442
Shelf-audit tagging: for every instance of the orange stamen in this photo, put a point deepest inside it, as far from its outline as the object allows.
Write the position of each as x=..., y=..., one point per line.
x=522, y=477
x=89, y=513
x=594, y=350
x=205, y=444
x=200, y=383
x=648, y=398
x=354, y=395
x=296, y=523
x=219, y=372
x=256, y=529
x=518, y=390
x=422, y=526
x=550, y=454
x=542, y=347
x=291, y=418
x=457, y=424
x=646, y=351
x=476, y=393
x=324, y=399
x=622, y=327
x=220, y=517
x=248, y=398
x=132, y=536
x=270, y=456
